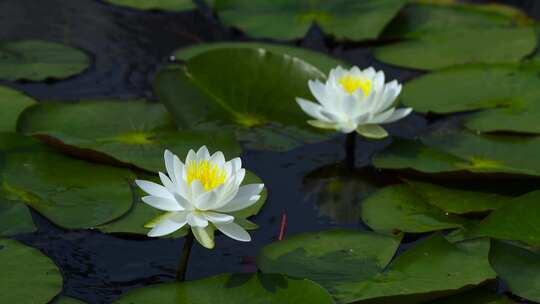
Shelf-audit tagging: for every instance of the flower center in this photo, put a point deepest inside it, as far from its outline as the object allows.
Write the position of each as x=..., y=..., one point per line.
x=209, y=174
x=352, y=83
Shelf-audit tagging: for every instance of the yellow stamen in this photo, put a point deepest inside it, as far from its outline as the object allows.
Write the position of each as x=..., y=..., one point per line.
x=352, y=83
x=209, y=174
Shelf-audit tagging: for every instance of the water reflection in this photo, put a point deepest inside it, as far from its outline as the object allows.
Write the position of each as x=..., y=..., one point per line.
x=338, y=191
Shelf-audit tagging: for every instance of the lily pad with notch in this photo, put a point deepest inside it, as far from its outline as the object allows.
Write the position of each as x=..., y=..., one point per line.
x=433, y=35
x=71, y=193
x=320, y=60
x=503, y=97
x=249, y=91
x=450, y=150
x=38, y=60
x=286, y=20
x=28, y=276
x=135, y=132
x=254, y=288
x=12, y=103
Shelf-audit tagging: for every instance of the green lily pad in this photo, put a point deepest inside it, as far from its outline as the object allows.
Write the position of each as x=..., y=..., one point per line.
x=330, y=258
x=355, y=266
x=67, y=300
x=15, y=218
x=320, y=60
x=69, y=192
x=38, y=60
x=285, y=20
x=263, y=117
x=400, y=208
x=432, y=35
x=453, y=151
x=133, y=221
x=28, y=276
x=136, y=133
x=430, y=269
x=232, y=289
x=458, y=201
x=519, y=268
x=166, y=5
x=12, y=103
x=476, y=296
x=518, y=220
x=507, y=96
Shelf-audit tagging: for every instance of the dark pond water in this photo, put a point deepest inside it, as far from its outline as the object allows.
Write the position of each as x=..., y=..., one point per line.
x=127, y=47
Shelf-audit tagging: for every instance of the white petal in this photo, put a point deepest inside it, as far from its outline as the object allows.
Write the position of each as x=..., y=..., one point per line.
x=350, y=105
x=196, y=219
x=169, y=165
x=197, y=189
x=247, y=195
x=203, y=153
x=218, y=158
x=234, y=231
x=240, y=174
x=183, y=202
x=162, y=203
x=191, y=156
x=311, y=108
x=398, y=114
x=317, y=89
x=154, y=189
x=206, y=200
x=167, y=182
x=236, y=164
x=372, y=131
x=382, y=117
x=205, y=236
x=215, y=217
x=322, y=124
x=168, y=224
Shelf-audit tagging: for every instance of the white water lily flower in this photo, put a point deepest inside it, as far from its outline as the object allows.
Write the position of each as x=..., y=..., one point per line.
x=201, y=193
x=354, y=100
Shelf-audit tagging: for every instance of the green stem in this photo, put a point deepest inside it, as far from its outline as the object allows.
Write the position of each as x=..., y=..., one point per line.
x=182, y=268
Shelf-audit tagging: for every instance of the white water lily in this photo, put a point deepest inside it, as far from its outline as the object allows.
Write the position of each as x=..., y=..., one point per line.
x=354, y=100
x=201, y=193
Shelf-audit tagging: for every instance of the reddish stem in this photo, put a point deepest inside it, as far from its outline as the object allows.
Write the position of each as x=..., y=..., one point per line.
x=283, y=226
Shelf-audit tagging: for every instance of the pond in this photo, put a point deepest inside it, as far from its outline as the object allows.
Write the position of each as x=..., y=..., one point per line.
x=445, y=208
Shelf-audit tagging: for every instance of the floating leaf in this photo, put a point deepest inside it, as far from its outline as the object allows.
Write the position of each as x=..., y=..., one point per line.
x=242, y=96
x=37, y=60
x=330, y=258
x=12, y=103
x=476, y=296
x=67, y=300
x=433, y=35
x=400, y=208
x=518, y=220
x=320, y=60
x=429, y=269
x=166, y=5
x=233, y=289
x=285, y=20
x=69, y=192
x=136, y=132
x=458, y=201
x=519, y=268
x=15, y=218
x=453, y=151
x=28, y=276
x=133, y=221
x=353, y=266
x=508, y=96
